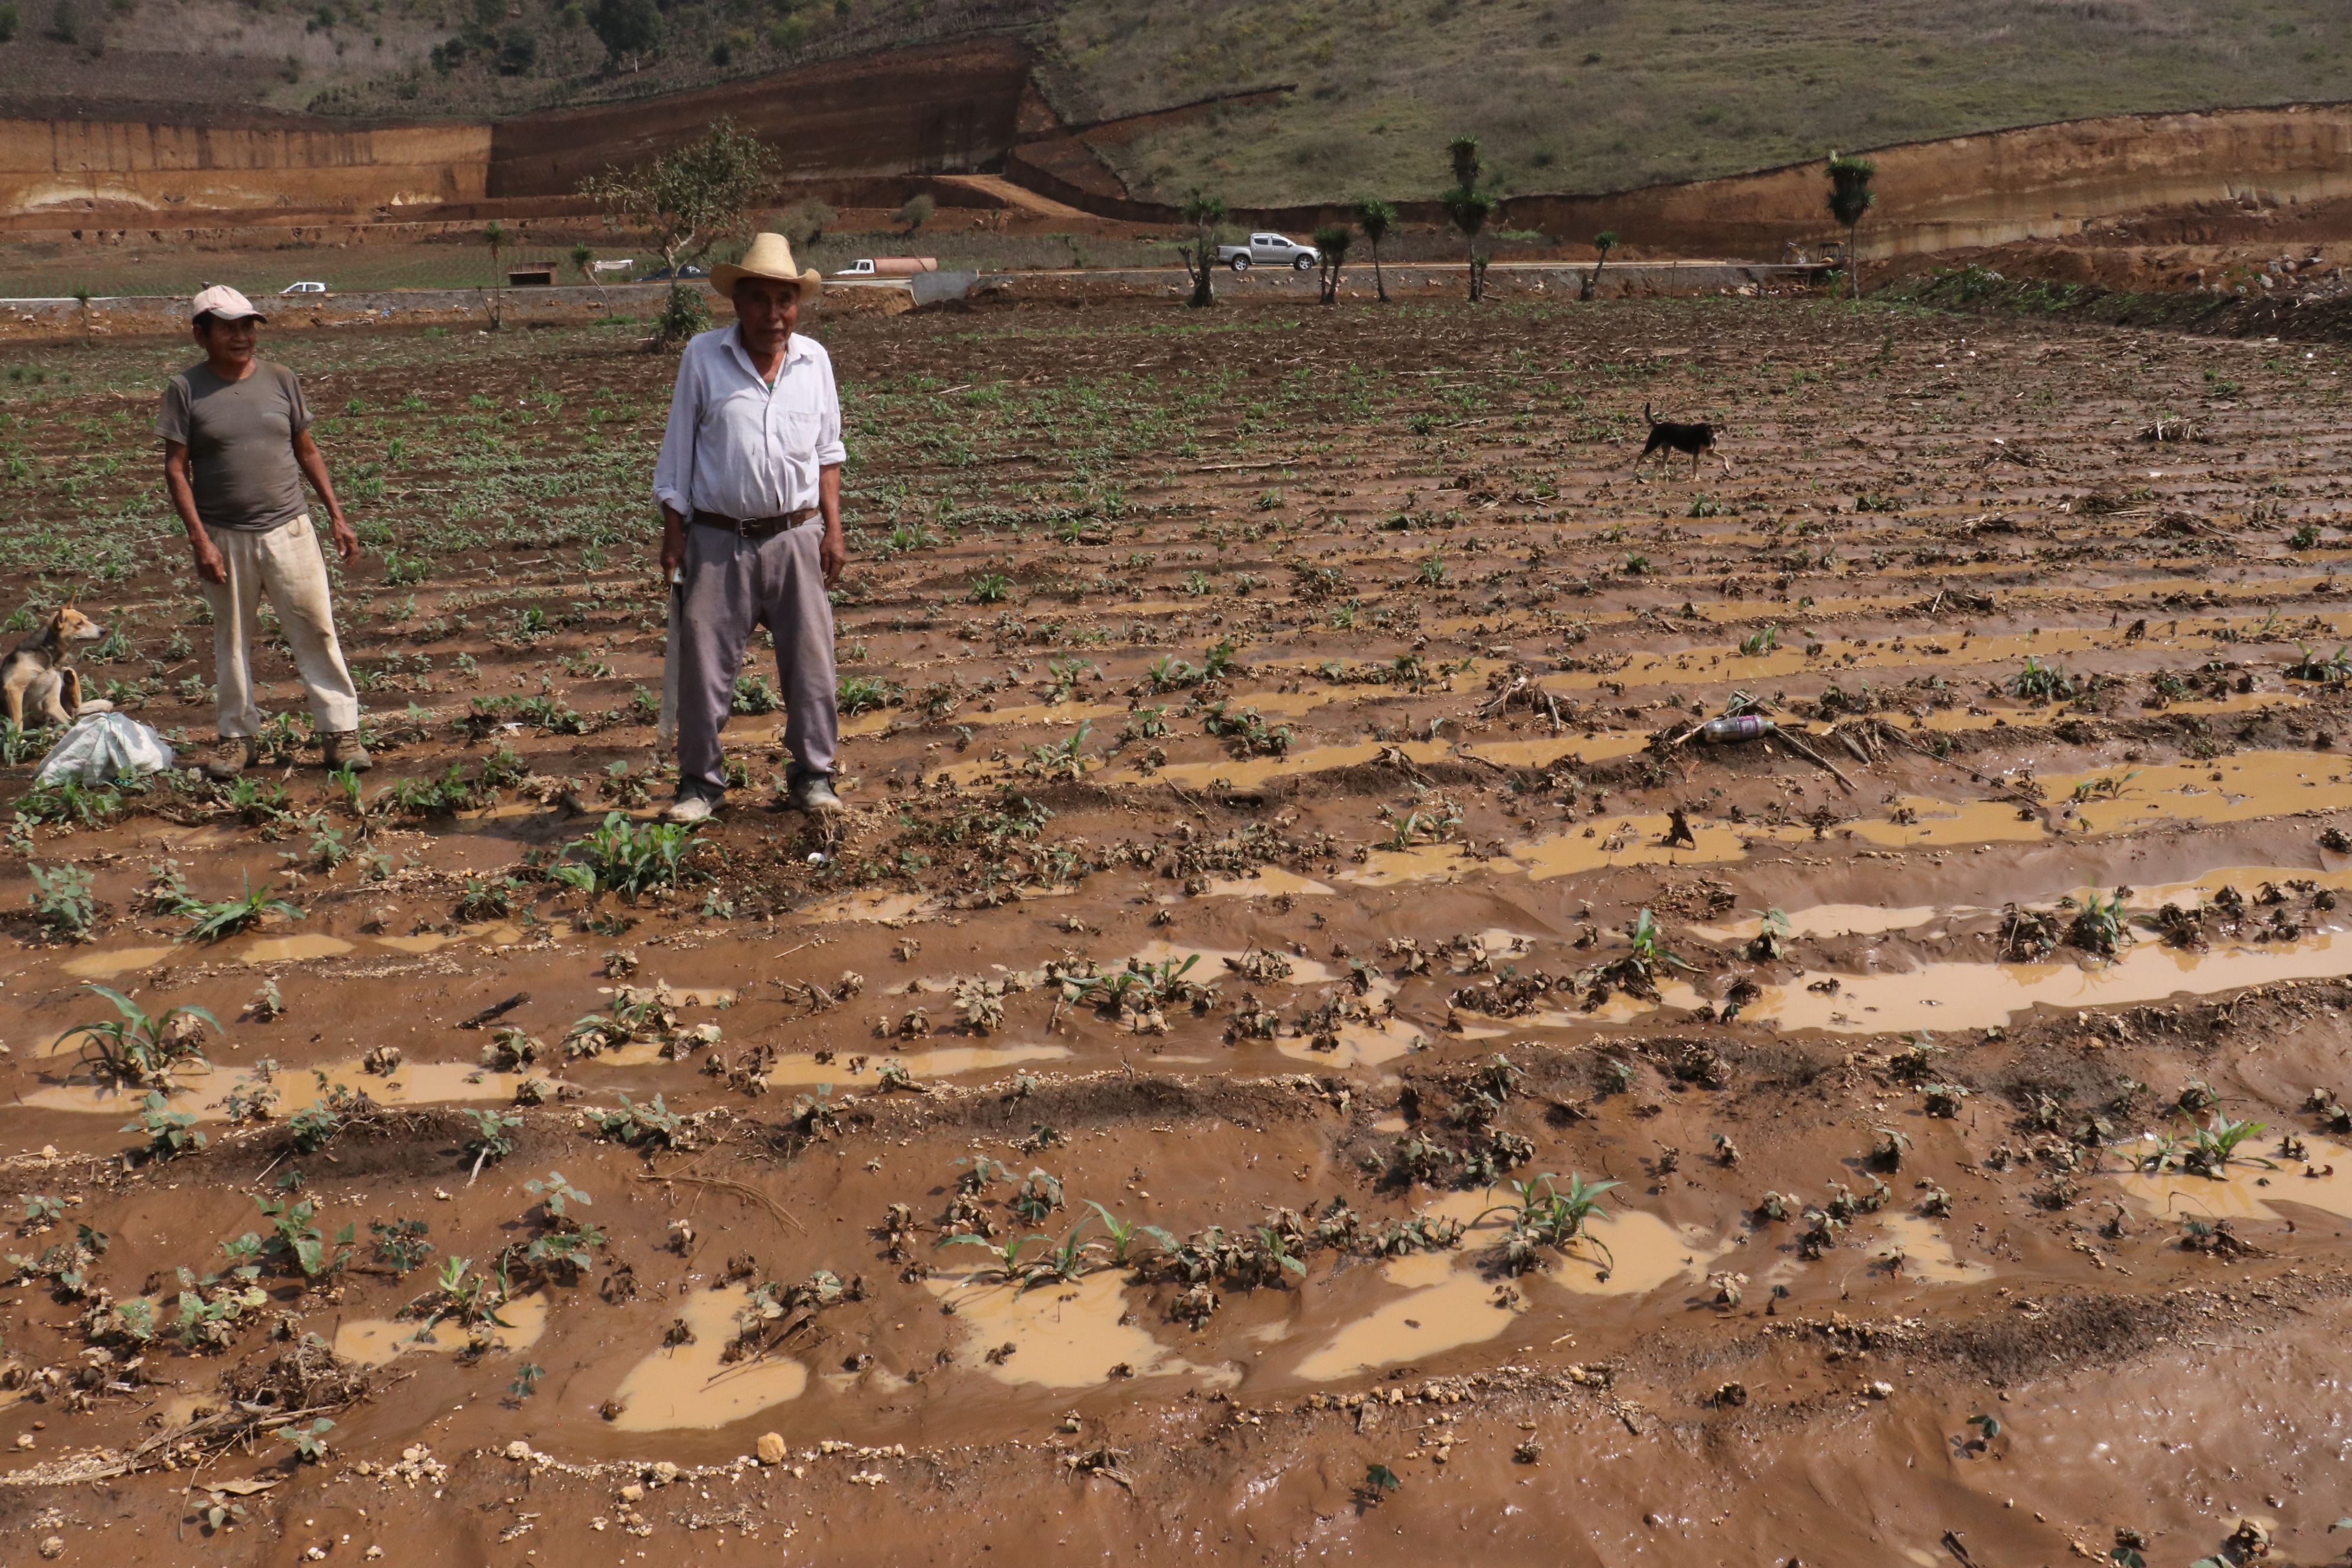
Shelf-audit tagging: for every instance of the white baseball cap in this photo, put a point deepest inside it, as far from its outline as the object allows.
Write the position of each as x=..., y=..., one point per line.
x=224, y=304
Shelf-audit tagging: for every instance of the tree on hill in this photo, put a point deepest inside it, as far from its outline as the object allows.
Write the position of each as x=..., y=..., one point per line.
x=1376, y=217
x=627, y=29
x=687, y=202
x=917, y=211
x=1603, y=244
x=1331, y=243
x=1850, y=197
x=1467, y=207
x=1205, y=213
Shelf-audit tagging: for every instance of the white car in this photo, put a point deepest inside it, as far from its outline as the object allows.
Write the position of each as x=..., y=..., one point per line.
x=1268, y=250
x=304, y=289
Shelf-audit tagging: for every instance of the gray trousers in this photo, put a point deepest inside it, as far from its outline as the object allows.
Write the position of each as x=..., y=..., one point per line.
x=732, y=584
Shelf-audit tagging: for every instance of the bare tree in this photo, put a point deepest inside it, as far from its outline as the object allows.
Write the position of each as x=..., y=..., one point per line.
x=687, y=202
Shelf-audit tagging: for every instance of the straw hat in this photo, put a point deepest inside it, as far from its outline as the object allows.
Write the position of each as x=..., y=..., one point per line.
x=770, y=257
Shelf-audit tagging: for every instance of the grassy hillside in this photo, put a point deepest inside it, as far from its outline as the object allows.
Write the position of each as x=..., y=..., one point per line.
x=1568, y=94
x=1603, y=94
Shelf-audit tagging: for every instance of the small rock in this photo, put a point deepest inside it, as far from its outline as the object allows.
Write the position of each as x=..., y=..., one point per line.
x=633, y=1493
x=1881, y=1390
x=663, y=1473
x=518, y=1449
x=771, y=1449
x=24, y=1439
x=53, y=1546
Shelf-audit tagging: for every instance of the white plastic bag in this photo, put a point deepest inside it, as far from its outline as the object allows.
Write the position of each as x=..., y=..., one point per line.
x=102, y=746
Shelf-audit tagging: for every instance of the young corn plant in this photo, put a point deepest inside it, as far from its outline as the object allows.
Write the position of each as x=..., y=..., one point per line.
x=2039, y=682
x=133, y=1047
x=216, y=922
x=1124, y=1233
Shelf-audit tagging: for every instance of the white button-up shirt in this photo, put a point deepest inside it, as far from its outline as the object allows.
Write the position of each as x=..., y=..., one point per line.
x=738, y=446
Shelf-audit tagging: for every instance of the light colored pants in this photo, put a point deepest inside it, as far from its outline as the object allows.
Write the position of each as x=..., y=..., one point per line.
x=732, y=584
x=285, y=565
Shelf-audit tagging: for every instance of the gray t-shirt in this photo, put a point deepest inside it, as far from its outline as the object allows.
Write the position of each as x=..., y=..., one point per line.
x=240, y=440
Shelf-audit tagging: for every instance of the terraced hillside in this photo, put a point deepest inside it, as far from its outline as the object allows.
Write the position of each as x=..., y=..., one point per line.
x=1570, y=95
x=1297, y=1048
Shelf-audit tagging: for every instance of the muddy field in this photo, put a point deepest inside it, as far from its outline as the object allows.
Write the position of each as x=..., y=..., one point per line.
x=1298, y=1049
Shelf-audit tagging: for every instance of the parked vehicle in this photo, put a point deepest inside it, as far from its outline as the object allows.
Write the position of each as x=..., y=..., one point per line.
x=310, y=288
x=664, y=275
x=889, y=267
x=1268, y=250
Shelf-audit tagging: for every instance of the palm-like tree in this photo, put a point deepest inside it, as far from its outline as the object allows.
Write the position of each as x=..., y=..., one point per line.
x=1376, y=217
x=1603, y=244
x=1850, y=197
x=1467, y=207
x=1205, y=213
x=1331, y=243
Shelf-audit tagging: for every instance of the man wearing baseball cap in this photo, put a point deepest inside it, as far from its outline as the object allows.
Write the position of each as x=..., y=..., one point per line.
x=236, y=446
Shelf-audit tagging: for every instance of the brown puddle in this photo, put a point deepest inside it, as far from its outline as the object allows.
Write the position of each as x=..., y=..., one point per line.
x=1450, y=1305
x=106, y=965
x=880, y=906
x=293, y=949
x=414, y=1083
x=372, y=1342
x=491, y=934
x=1981, y=995
x=2252, y=1186
x=686, y=1386
x=801, y=1070
x=1062, y=1335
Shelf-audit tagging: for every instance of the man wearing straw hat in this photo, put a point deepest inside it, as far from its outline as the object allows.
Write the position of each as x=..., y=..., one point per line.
x=750, y=486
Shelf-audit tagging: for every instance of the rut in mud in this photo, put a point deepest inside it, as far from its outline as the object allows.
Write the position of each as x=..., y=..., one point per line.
x=1293, y=1007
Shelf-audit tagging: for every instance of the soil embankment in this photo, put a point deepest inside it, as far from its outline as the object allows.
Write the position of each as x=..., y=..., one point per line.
x=973, y=107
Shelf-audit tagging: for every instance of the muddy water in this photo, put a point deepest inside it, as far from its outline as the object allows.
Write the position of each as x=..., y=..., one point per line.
x=884, y=907
x=1061, y=1335
x=801, y=1070
x=414, y=1083
x=1447, y=1305
x=372, y=1342
x=686, y=1386
x=1926, y=1252
x=1980, y=995
x=2256, y=1183
x=1637, y=1253
x=107, y=964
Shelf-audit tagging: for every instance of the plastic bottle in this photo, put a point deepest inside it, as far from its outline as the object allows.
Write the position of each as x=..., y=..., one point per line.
x=1731, y=731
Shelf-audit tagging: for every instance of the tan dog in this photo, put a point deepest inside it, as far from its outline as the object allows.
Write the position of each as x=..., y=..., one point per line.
x=38, y=679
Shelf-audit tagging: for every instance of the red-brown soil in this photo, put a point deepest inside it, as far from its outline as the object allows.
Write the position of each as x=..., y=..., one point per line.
x=1342, y=643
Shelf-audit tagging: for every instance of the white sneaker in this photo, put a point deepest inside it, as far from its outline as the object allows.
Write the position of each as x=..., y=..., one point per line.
x=688, y=808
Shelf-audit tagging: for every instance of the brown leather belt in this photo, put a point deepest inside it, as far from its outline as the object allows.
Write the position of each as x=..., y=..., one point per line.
x=754, y=527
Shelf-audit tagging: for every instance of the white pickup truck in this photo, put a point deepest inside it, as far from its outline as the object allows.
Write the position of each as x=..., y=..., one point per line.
x=1268, y=250
x=889, y=267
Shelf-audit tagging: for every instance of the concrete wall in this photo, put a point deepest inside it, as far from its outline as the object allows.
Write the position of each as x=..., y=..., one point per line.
x=69, y=166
